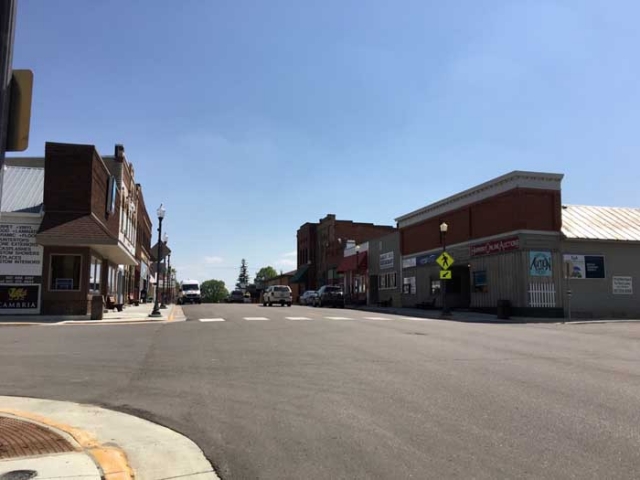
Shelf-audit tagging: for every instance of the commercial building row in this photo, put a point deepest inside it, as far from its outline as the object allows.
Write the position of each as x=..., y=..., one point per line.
x=73, y=227
x=512, y=240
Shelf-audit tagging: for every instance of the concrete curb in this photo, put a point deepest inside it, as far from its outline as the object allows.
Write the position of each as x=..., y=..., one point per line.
x=176, y=314
x=122, y=445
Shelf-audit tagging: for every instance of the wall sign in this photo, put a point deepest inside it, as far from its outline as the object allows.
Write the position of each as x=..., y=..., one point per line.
x=19, y=297
x=386, y=260
x=584, y=266
x=540, y=264
x=19, y=253
x=622, y=285
x=427, y=259
x=409, y=262
x=495, y=246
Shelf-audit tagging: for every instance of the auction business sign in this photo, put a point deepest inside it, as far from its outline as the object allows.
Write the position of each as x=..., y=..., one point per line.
x=540, y=264
x=495, y=246
x=584, y=266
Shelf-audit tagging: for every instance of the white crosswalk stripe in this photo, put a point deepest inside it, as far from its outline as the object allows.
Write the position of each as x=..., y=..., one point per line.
x=338, y=318
x=255, y=318
x=417, y=319
x=297, y=318
x=212, y=319
x=377, y=318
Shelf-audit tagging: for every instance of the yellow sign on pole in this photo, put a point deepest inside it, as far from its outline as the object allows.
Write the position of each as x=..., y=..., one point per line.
x=445, y=261
x=445, y=274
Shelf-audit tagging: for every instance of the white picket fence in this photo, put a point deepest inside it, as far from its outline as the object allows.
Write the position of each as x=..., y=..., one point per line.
x=542, y=295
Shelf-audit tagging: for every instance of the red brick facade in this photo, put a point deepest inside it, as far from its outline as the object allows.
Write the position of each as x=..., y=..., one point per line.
x=516, y=209
x=323, y=245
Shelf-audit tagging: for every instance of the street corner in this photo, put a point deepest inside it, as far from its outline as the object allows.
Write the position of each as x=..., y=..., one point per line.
x=36, y=446
x=55, y=439
x=176, y=314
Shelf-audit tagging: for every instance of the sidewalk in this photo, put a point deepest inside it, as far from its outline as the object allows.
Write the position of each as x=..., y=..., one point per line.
x=456, y=316
x=130, y=314
x=474, y=317
x=52, y=439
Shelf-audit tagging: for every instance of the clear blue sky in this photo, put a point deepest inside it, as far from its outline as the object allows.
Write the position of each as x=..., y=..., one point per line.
x=249, y=118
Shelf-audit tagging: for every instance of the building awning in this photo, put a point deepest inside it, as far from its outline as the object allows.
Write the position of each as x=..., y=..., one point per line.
x=348, y=264
x=71, y=230
x=300, y=275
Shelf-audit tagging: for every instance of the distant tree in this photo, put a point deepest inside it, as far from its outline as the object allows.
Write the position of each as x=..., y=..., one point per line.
x=213, y=291
x=243, y=278
x=264, y=274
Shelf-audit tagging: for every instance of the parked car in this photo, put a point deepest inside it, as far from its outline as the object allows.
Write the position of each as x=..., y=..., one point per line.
x=237, y=296
x=330, y=295
x=308, y=297
x=277, y=294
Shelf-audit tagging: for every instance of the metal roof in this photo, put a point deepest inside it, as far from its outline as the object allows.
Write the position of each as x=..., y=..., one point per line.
x=601, y=223
x=22, y=189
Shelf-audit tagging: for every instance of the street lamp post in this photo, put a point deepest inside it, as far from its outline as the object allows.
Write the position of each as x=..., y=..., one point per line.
x=167, y=288
x=156, y=308
x=446, y=313
x=355, y=283
x=163, y=305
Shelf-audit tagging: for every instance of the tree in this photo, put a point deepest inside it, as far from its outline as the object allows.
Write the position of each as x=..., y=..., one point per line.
x=264, y=274
x=243, y=278
x=213, y=291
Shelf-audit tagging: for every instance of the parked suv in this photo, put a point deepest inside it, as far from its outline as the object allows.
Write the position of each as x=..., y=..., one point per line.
x=277, y=294
x=189, y=292
x=330, y=295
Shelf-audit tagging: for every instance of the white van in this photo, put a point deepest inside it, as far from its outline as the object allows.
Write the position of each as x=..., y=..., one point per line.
x=189, y=292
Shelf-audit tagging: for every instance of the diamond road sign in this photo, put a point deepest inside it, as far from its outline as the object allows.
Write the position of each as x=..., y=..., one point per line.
x=445, y=261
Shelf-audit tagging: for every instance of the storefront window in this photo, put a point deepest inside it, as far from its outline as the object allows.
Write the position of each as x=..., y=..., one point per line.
x=112, y=281
x=435, y=287
x=95, y=273
x=65, y=272
x=387, y=281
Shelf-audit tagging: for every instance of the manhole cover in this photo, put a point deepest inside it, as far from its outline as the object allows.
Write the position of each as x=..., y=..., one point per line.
x=21, y=439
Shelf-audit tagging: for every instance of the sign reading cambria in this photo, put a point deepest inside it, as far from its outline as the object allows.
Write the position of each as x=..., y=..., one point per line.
x=19, y=297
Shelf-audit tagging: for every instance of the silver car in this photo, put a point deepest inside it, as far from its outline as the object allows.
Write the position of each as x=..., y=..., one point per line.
x=308, y=297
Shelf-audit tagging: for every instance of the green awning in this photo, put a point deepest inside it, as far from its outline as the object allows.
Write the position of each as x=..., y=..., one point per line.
x=301, y=275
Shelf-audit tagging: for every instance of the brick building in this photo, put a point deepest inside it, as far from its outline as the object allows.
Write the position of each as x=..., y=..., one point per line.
x=491, y=229
x=89, y=231
x=321, y=248
x=513, y=240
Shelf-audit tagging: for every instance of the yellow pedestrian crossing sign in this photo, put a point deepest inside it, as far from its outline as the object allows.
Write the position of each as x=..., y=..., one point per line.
x=445, y=261
x=445, y=274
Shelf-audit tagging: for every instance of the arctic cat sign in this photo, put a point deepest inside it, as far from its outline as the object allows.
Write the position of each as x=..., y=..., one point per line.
x=19, y=297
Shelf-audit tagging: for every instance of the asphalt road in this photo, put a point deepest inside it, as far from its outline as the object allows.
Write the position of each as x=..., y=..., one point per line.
x=360, y=398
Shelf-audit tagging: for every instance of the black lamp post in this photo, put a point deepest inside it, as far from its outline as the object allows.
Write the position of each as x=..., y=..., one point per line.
x=446, y=313
x=156, y=308
x=163, y=305
x=167, y=288
x=355, y=280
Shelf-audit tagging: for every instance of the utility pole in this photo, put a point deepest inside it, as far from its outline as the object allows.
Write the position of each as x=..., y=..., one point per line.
x=7, y=34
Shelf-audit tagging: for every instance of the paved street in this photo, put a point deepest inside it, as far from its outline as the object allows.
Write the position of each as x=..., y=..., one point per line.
x=330, y=393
